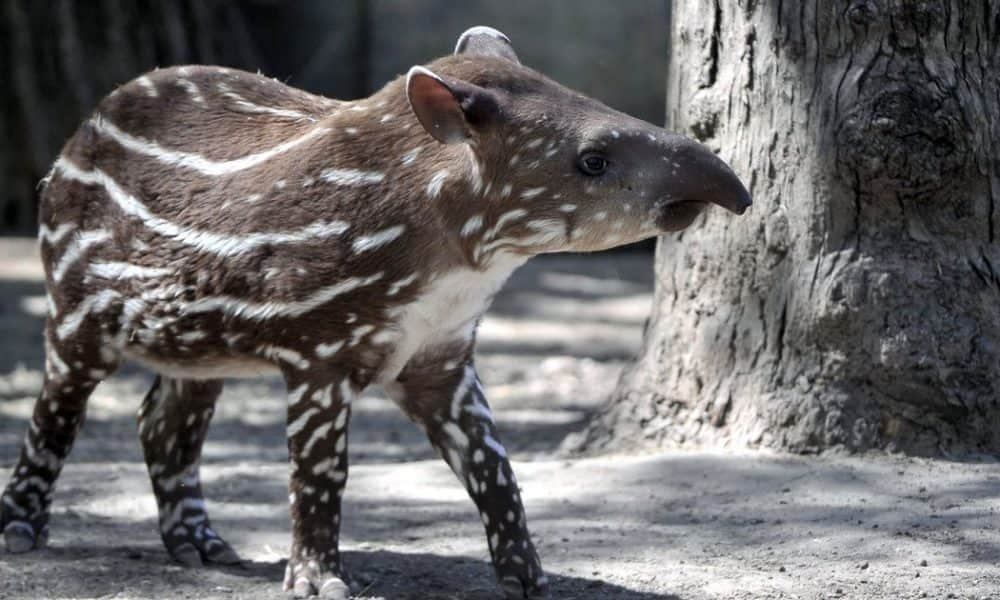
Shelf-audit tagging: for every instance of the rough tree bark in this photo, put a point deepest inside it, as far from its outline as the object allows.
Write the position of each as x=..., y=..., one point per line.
x=857, y=305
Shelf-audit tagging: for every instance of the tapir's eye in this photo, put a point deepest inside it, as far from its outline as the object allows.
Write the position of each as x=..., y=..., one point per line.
x=592, y=163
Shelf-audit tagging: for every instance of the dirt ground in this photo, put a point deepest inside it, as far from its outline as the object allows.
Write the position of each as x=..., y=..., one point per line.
x=676, y=525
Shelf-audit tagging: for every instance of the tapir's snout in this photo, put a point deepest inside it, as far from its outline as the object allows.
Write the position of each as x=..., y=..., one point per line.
x=697, y=175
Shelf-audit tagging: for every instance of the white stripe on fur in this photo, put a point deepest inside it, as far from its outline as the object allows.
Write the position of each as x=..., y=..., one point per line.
x=190, y=160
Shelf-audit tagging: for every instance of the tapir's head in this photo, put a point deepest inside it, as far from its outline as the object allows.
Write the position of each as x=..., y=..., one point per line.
x=589, y=177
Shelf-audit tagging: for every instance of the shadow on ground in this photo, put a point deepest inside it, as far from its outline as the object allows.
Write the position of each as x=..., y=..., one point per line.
x=389, y=575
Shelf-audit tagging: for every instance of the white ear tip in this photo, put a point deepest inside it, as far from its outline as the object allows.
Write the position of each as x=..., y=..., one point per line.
x=418, y=70
x=480, y=30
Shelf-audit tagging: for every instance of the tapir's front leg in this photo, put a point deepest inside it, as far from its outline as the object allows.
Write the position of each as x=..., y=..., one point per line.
x=449, y=403
x=319, y=408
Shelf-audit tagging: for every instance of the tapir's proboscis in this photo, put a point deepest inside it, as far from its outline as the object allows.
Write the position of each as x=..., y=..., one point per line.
x=207, y=223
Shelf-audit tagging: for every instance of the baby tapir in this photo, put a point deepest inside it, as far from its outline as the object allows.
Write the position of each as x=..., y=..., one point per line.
x=211, y=223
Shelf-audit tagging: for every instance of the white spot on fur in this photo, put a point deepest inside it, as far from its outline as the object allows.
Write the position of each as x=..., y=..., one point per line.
x=328, y=350
x=400, y=284
x=434, y=187
x=411, y=156
x=359, y=332
x=317, y=434
x=298, y=394
x=471, y=226
x=532, y=192
x=286, y=355
x=351, y=177
x=322, y=467
x=192, y=90
x=147, y=84
x=475, y=175
x=296, y=426
x=377, y=239
x=384, y=336
x=346, y=391
x=324, y=398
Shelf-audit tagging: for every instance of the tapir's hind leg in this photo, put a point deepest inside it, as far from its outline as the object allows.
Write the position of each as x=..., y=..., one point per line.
x=74, y=365
x=173, y=421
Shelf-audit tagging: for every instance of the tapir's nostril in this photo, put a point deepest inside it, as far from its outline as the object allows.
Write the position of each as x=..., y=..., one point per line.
x=744, y=202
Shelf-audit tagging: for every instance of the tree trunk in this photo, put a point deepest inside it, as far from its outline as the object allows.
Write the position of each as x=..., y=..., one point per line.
x=857, y=305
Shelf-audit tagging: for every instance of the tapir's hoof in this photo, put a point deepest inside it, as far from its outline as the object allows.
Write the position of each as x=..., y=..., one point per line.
x=21, y=536
x=333, y=588
x=515, y=589
x=208, y=550
x=307, y=580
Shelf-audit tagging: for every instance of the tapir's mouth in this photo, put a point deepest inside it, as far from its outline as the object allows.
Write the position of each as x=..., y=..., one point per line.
x=678, y=215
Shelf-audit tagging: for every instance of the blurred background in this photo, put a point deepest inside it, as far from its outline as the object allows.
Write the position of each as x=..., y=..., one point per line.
x=62, y=56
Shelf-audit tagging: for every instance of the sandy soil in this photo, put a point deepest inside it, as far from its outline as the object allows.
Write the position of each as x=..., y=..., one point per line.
x=676, y=525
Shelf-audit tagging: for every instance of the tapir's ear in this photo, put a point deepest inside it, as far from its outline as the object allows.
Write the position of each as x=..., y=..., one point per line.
x=450, y=110
x=486, y=41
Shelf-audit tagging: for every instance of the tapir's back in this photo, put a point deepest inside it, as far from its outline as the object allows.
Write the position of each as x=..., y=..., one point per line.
x=194, y=192
x=182, y=139
x=192, y=171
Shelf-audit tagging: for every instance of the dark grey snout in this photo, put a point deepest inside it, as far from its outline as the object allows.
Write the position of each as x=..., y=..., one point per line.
x=698, y=175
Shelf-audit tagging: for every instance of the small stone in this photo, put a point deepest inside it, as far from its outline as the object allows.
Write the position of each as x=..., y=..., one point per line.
x=923, y=563
x=863, y=566
x=781, y=569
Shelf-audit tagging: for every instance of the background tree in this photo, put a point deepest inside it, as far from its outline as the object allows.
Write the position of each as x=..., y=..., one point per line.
x=61, y=57
x=857, y=305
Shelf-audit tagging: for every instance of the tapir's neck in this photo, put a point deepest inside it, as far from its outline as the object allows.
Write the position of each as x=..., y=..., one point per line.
x=451, y=184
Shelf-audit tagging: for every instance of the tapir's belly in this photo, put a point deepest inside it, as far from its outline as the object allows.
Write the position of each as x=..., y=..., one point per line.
x=216, y=367
x=447, y=310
